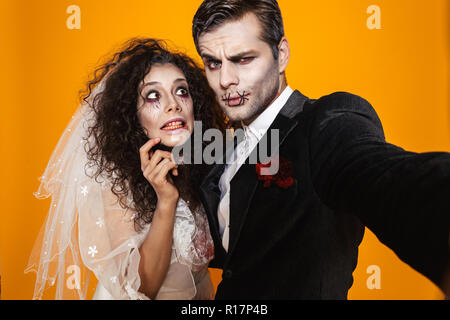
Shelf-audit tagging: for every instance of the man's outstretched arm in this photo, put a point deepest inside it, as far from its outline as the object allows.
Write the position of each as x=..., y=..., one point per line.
x=403, y=197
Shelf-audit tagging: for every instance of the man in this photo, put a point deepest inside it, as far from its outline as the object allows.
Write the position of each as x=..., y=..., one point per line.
x=300, y=240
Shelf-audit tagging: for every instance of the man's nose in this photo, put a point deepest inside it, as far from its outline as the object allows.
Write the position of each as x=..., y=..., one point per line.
x=228, y=75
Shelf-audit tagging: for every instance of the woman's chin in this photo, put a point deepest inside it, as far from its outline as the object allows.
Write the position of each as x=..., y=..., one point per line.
x=174, y=140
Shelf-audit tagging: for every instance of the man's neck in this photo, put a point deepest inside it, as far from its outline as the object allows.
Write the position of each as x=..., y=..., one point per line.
x=283, y=86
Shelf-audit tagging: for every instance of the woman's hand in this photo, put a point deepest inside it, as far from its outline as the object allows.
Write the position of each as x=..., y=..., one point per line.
x=156, y=250
x=155, y=166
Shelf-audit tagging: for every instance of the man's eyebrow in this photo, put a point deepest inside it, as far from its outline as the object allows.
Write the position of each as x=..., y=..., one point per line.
x=234, y=57
x=209, y=57
x=241, y=55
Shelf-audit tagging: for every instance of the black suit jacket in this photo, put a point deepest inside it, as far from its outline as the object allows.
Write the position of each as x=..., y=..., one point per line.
x=302, y=242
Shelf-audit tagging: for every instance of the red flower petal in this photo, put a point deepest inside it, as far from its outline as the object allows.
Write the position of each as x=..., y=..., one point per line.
x=283, y=178
x=268, y=183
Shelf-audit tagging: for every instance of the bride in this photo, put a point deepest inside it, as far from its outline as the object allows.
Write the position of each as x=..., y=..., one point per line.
x=121, y=207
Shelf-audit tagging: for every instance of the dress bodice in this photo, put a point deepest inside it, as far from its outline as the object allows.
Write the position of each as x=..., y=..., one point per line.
x=192, y=249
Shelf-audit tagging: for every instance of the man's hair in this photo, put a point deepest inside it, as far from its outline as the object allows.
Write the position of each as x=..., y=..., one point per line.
x=213, y=13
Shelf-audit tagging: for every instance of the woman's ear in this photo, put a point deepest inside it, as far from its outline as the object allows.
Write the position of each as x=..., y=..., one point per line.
x=284, y=54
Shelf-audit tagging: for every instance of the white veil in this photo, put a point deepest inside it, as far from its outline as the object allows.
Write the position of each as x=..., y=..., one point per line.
x=76, y=237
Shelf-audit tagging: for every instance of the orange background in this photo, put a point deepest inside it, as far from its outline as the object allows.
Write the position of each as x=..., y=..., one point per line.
x=402, y=69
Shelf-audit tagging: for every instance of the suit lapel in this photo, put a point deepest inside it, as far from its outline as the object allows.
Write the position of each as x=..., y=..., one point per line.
x=210, y=194
x=244, y=183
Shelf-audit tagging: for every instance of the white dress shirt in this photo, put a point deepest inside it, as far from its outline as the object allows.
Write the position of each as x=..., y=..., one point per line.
x=252, y=134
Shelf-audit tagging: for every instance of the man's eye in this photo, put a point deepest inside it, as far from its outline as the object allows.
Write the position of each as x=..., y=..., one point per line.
x=213, y=65
x=182, y=92
x=246, y=60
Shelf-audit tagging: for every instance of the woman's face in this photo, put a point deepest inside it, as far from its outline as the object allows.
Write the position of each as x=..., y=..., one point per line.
x=165, y=107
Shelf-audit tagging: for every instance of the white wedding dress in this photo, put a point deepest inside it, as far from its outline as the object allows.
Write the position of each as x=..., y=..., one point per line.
x=188, y=276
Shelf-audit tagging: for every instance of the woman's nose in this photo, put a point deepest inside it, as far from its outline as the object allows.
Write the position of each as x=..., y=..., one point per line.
x=173, y=106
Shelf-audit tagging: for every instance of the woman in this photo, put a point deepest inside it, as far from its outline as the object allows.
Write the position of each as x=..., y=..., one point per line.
x=121, y=207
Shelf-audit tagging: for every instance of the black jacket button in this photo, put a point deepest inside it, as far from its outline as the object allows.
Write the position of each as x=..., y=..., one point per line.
x=227, y=274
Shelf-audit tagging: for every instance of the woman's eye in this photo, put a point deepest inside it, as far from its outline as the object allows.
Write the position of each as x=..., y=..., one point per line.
x=152, y=96
x=182, y=92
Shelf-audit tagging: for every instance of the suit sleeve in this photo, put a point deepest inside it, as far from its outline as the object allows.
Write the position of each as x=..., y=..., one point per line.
x=403, y=197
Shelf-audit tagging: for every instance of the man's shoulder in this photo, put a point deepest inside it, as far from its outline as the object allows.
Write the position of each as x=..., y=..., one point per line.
x=340, y=100
x=343, y=105
x=340, y=103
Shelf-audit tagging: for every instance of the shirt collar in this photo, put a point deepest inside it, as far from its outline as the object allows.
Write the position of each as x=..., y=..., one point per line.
x=261, y=124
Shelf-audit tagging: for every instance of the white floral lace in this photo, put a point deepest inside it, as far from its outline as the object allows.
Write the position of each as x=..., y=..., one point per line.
x=192, y=240
x=191, y=252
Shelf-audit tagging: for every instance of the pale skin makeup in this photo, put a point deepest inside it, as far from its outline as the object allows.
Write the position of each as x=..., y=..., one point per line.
x=165, y=110
x=164, y=96
x=241, y=69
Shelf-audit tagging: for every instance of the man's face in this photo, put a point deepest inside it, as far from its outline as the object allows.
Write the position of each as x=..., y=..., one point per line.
x=240, y=68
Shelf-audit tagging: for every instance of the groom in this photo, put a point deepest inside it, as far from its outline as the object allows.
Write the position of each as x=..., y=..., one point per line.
x=296, y=235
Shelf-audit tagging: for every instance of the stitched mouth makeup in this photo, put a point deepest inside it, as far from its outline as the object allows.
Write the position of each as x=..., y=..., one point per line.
x=235, y=100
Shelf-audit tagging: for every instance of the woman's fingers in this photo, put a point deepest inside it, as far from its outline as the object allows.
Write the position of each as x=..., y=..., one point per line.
x=157, y=156
x=144, y=151
x=162, y=175
x=158, y=175
x=151, y=159
x=150, y=173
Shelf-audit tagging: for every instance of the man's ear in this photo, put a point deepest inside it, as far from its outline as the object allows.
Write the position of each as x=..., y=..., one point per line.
x=284, y=54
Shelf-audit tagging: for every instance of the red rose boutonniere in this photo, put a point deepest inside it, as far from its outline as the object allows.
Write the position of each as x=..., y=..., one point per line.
x=283, y=178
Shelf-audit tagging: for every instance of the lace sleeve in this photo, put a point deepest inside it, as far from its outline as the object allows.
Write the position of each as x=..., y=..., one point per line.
x=109, y=244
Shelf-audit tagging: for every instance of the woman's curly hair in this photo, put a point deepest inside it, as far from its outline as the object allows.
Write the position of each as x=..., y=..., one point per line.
x=118, y=135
